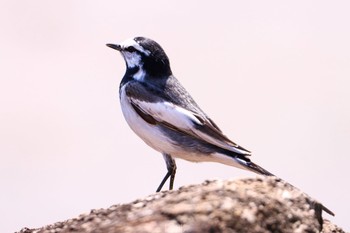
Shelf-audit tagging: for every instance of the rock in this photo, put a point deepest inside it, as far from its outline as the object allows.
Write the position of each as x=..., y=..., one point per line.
x=264, y=204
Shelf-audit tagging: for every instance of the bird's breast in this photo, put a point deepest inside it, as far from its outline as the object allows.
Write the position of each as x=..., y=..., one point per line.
x=150, y=134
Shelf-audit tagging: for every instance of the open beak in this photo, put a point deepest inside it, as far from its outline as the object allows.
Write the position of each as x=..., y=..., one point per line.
x=115, y=46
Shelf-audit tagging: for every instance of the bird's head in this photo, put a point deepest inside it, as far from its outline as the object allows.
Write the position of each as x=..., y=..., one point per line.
x=146, y=54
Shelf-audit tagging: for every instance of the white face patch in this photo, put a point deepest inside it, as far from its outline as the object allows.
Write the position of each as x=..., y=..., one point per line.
x=131, y=42
x=132, y=59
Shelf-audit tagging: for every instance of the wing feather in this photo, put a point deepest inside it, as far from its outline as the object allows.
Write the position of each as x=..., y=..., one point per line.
x=186, y=121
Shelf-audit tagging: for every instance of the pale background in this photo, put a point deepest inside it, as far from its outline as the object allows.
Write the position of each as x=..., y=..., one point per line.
x=275, y=76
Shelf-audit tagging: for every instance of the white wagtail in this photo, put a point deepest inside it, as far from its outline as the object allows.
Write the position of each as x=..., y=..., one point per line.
x=164, y=115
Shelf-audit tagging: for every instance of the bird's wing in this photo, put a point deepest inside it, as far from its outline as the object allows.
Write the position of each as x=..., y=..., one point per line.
x=156, y=110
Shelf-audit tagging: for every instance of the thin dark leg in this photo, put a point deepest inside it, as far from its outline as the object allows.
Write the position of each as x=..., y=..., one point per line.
x=171, y=167
x=163, y=181
x=172, y=176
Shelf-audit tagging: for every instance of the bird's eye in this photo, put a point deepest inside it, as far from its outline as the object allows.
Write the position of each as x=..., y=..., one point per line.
x=130, y=49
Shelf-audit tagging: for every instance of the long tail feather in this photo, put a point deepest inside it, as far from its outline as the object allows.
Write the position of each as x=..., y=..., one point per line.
x=249, y=165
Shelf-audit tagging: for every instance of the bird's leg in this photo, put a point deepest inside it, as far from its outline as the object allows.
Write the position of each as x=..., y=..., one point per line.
x=172, y=177
x=171, y=167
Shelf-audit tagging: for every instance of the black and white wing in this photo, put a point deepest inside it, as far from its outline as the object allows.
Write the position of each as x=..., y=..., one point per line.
x=157, y=110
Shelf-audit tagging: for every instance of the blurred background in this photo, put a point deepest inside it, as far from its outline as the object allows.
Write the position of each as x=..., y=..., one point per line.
x=274, y=75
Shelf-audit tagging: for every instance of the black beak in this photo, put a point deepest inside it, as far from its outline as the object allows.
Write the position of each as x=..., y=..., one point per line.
x=115, y=46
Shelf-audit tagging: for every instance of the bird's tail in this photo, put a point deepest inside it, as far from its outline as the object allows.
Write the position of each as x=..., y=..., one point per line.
x=249, y=165
x=257, y=169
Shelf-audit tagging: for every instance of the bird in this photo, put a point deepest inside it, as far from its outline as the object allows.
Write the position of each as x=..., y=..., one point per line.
x=165, y=116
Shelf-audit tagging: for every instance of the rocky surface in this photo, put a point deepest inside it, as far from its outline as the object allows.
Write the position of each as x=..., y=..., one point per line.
x=248, y=205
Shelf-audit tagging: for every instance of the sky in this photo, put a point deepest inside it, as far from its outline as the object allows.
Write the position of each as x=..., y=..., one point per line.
x=274, y=75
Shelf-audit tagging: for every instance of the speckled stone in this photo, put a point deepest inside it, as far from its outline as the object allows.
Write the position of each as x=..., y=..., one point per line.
x=264, y=204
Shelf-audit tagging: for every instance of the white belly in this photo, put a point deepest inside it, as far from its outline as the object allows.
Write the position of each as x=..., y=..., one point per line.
x=155, y=138
x=150, y=134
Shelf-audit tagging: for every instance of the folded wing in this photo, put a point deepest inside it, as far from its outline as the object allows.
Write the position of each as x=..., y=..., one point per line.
x=159, y=111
